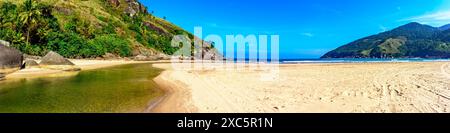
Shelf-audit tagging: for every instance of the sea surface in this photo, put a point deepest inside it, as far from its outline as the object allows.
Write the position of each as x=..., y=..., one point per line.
x=343, y=60
x=358, y=60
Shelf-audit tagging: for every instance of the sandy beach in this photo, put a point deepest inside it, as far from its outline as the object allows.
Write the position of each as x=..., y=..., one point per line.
x=352, y=87
x=345, y=87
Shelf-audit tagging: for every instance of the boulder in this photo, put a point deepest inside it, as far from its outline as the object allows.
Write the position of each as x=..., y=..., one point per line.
x=30, y=64
x=10, y=59
x=56, y=62
x=53, y=58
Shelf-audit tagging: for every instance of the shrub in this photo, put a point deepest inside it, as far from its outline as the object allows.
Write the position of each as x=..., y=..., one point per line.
x=92, y=50
x=68, y=44
x=113, y=44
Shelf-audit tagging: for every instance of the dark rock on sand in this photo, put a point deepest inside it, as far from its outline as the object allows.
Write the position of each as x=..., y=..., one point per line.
x=10, y=58
x=53, y=58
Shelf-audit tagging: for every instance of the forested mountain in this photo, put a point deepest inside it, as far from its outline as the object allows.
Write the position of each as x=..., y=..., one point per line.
x=413, y=40
x=87, y=28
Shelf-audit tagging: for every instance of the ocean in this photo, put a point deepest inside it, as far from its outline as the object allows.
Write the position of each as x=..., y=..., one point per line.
x=359, y=60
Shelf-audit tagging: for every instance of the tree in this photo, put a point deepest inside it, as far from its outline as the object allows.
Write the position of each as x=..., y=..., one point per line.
x=8, y=15
x=29, y=17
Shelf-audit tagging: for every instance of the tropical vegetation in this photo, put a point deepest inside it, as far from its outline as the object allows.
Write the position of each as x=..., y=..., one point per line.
x=85, y=28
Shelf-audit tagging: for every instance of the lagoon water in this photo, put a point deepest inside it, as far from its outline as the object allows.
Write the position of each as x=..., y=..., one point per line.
x=127, y=88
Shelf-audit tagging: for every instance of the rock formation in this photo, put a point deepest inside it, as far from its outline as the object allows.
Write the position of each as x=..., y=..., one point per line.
x=53, y=58
x=55, y=61
x=10, y=60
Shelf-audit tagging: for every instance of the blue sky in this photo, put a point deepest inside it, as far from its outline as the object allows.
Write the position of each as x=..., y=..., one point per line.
x=307, y=28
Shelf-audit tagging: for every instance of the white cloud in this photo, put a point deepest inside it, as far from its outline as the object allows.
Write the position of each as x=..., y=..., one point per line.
x=436, y=19
x=307, y=34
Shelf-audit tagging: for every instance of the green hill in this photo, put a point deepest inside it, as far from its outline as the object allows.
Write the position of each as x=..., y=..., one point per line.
x=87, y=28
x=412, y=40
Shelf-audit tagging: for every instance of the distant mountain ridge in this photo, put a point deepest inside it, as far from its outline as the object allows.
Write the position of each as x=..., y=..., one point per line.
x=445, y=27
x=413, y=40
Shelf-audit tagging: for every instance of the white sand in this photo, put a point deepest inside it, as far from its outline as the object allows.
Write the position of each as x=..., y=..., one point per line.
x=358, y=87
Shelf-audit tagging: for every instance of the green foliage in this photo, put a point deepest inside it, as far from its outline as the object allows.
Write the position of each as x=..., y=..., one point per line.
x=109, y=28
x=162, y=43
x=79, y=26
x=113, y=44
x=36, y=27
x=67, y=44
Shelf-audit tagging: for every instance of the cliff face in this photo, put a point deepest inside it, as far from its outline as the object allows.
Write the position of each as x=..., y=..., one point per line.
x=408, y=41
x=84, y=29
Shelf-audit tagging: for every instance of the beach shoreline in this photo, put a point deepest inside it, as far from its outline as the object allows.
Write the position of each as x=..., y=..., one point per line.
x=309, y=88
x=305, y=87
x=84, y=64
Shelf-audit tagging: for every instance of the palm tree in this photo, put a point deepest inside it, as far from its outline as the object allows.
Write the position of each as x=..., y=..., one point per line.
x=29, y=16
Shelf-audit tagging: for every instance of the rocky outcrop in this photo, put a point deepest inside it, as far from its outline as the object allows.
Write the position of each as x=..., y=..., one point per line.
x=206, y=51
x=154, y=27
x=133, y=7
x=55, y=61
x=10, y=58
x=114, y=3
x=53, y=58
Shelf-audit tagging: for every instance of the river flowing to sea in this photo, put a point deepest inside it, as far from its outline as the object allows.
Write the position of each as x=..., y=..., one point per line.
x=126, y=88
